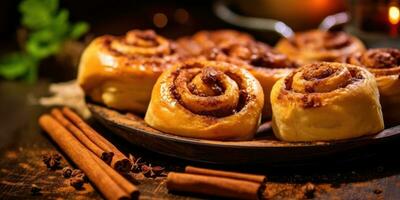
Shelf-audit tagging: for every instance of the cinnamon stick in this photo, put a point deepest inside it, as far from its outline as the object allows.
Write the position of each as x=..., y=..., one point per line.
x=216, y=186
x=106, y=156
x=83, y=158
x=226, y=174
x=119, y=161
x=121, y=181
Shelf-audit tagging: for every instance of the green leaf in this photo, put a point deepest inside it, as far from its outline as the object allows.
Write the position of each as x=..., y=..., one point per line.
x=37, y=14
x=48, y=28
x=43, y=43
x=15, y=65
x=60, y=24
x=78, y=29
x=31, y=6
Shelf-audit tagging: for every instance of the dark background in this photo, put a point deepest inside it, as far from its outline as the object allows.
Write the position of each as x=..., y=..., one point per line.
x=117, y=17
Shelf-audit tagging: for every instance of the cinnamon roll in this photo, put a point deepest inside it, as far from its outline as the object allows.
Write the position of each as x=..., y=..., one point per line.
x=266, y=64
x=208, y=100
x=326, y=101
x=384, y=63
x=204, y=40
x=121, y=71
x=317, y=45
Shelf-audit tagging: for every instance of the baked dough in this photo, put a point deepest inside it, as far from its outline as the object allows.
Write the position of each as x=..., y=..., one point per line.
x=120, y=71
x=266, y=64
x=384, y=63
x=326, y=101
x=239, y=48
x=316, y=45
x=208, y=100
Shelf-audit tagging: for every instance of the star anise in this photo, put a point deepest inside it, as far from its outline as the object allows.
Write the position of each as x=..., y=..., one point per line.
x=76, y=182
x=52, y=161
x=137, y=165
x=78, y=178
x=67, y=172
x=79, y=173
x=150, y=171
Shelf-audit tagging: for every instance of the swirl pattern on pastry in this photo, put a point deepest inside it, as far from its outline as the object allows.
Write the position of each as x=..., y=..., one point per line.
x=316, y=45
x=326, y=101
x=140, y=43
x=204, y=40
x=121, y=71
x=206, y=99
x=384, y=63
x=261, y=60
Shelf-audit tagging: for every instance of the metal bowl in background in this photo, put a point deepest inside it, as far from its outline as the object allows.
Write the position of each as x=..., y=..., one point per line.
x=271, y=19
x=269, y=28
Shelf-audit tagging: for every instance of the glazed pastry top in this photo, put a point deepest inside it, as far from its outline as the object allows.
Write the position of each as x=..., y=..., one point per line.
x=312, y=83
x=256, y=54
x=380, y=61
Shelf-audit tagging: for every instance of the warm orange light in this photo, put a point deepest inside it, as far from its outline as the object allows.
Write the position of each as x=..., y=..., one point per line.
x=160, y=20
x=394, y=15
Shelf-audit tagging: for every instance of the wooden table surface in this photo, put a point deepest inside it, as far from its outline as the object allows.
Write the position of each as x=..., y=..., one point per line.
x=375, y=174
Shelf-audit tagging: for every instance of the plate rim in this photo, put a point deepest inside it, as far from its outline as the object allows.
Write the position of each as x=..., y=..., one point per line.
x=384, y=134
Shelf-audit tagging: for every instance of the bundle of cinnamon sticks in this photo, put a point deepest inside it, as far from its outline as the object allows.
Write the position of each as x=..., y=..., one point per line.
x=101, y=161
x=217, y=183
x=93, y=154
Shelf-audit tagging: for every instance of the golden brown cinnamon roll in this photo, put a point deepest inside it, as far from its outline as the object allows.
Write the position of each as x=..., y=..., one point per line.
x=121, y=71
x=266, y=64
x=317, y=45
x=385, y=65
x=206, y=99
x=204, y=40
x=261, y=60
x=326, y=101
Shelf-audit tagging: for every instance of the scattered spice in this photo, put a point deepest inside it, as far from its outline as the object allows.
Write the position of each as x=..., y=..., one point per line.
x=308, y=190
x=67, y=172
x=142, y=168
x=150, y=171
x=76, y=177
x=137, y=165
x=35, y=189
x=130, y=156
x=76, y=182
x=78, y=173
x=75, y=172
x=52, y=161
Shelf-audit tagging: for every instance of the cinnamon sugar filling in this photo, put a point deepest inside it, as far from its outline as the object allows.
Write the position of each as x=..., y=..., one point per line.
x=209, y=91
x=310, y=82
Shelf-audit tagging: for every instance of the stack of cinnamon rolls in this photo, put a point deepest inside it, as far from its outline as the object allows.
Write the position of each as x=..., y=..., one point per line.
x=221, y=84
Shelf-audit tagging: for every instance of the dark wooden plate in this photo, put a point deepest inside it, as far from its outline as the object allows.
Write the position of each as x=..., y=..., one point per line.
x=265, y=148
